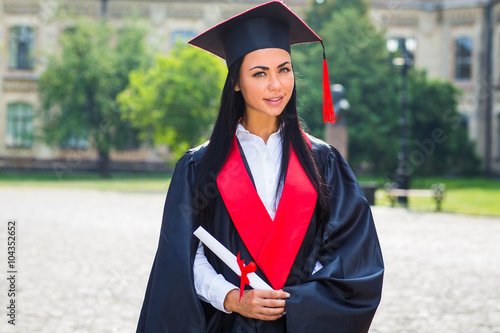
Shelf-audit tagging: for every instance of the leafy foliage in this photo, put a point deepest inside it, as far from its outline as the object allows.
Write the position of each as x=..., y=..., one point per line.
x=175, y=102
x=358, y=60
x=320, y=12
x=438, y=131
x=79, y=87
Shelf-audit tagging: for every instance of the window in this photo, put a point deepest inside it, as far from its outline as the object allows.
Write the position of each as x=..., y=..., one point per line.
x=21, y=42
x=19, y=125
x=181, y=36
x=73, y=141
x=463, y=58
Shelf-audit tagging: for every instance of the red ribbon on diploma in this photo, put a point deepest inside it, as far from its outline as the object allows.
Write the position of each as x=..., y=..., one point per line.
x=245, y=269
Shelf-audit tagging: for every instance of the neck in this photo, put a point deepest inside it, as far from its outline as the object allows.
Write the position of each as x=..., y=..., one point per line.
x=260, y=126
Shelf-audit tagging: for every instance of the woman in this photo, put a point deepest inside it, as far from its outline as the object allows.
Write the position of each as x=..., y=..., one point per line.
x=271, y=193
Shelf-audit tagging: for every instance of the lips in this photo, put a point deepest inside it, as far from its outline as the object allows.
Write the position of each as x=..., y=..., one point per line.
x=275, y=99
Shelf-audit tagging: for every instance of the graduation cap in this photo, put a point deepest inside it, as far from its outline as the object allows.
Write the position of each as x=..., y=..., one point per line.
x=270, y=25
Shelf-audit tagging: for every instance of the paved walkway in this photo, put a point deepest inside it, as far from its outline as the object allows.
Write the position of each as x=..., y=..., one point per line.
x=84, y=259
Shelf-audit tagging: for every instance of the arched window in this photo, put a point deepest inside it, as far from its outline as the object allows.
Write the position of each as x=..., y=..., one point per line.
x=21, y=44
x=19, y=125
x=463, y=58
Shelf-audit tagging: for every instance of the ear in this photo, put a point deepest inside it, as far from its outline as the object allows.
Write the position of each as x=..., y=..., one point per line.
x=237, y=87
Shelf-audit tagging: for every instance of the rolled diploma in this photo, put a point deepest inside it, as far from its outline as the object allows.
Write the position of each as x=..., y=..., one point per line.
x=228, y=258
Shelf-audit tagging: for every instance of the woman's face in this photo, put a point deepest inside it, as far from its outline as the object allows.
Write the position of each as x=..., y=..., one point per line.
x=266, y=82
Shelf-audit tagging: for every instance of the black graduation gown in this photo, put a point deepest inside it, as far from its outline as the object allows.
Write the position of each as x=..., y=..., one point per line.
x=341, y=297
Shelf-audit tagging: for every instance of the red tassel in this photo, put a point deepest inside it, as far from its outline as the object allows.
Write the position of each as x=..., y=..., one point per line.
x=328, y=112
x=245, y=270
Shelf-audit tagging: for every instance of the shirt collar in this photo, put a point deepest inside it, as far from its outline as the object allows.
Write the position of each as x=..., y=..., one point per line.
x=240, y=129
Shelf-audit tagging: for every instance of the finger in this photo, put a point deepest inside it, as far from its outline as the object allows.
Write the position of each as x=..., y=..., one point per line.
x=271, y=311
x=265, y=302
x=271, y=293
x=273, y=303
x=268, y=317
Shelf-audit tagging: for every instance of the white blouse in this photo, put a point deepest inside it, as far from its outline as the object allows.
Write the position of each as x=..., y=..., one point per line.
x=264, y=161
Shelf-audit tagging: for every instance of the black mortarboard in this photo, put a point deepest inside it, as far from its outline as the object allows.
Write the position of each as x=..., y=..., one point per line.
x=270, y=25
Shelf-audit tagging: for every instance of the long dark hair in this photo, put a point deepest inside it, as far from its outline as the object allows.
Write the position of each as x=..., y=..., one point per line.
x=231, y=109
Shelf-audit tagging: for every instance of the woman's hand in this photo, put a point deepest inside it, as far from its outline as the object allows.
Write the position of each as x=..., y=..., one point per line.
x=257, y=303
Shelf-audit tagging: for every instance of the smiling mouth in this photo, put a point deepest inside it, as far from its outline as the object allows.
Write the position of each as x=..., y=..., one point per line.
x=274, y=99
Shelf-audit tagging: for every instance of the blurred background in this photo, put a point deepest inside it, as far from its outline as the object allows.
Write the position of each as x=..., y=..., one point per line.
x=99, y=98
x=91, y=89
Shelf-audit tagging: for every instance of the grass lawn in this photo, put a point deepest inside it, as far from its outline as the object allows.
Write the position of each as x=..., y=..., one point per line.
x=118, y=181
x=474, y=196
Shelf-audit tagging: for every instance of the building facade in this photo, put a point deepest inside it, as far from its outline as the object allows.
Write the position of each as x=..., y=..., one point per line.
x=452, y=38
x=30, y=30
x=452, y=45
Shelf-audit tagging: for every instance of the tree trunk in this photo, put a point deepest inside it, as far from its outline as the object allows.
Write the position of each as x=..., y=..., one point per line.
x=104, y=164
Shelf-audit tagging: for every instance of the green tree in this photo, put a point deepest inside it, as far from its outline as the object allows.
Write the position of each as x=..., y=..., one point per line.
x=79, y=87
x=357, y=59
x=439, y=143
x=320, y=11
x=176, y=100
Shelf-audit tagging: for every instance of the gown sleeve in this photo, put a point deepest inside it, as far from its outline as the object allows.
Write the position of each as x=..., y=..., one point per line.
x=171, y=303
x=343, y=295
x=210, y=286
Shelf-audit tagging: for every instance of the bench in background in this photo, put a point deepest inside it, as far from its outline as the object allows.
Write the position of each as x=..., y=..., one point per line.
x=437, y=192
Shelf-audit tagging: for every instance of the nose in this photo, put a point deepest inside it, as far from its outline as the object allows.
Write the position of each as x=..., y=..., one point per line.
x=274, y=83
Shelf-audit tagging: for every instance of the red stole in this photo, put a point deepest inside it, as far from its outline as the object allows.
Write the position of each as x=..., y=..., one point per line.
x=272, y=244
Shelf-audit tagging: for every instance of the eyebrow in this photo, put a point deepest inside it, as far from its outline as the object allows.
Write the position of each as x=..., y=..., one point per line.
x=267, y=68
